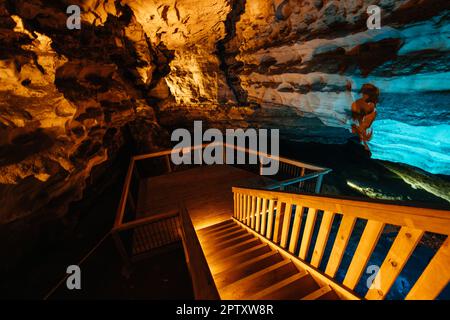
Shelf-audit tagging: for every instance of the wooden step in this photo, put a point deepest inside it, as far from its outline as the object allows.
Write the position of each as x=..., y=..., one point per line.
x=318, y=293
x=246, y=268
x=238, y=258
x=218, y=239
x=219, y=233
x=223, y=254
x=216, y=226
x=258, y=281
x=229, y=243
x=214, y=241
x=295, y=289
x=331, y=295
x=267, y=293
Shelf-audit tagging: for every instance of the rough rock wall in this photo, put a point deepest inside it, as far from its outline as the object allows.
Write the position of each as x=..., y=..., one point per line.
x=65, y=97
x=304, y=63
x=191, y=29
x=311, y=55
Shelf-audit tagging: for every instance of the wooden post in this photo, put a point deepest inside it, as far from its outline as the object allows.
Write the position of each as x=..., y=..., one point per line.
x=302, y=183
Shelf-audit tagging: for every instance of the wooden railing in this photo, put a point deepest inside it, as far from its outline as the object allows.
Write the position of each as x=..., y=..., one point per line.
x=202, y=280
x=138, y=239
x=293, y=176
x=288, y=222
x=145, y=236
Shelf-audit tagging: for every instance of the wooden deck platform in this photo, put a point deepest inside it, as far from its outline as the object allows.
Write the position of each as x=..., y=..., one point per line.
x=205, y=190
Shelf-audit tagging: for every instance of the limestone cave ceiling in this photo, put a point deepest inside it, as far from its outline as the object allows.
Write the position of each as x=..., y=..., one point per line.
x=66, y=95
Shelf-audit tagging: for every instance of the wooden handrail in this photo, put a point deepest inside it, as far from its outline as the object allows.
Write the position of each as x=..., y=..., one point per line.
x=297, y=180
x=126, y=189
x=123, y=198
x=237, y=148
x=274, y=220
x=202, y=280
x=167, y=152
x=276, y=158
x=144, y=221
x=432, y=220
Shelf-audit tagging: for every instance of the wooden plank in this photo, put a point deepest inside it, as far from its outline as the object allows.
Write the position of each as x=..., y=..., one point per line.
x=366, y=245
x=246, y=200
x=278, y=218
x=247, y=263
x=253, y=213
x=319, y=277
x=248, y=212
x=318, y=293
x=229, y=291
x=236, y=205
x=307, y=233
x=286, y=225
x=431, y=220
x=143, y=221
x=295, y=235
x=264, y=216
x=279, y=285
x=229, y=251
x=220, y=230
x=435, y=277
x=303, y=171
x=258, y=214
x=126, y=187
x=270, y=219
x=226, y=244
x=170, y=151
x=340, y=244
x=221, y=236
x=322, y=238
x=402, y=248
x=241, y=206
x=224, y=265
x=202, y=280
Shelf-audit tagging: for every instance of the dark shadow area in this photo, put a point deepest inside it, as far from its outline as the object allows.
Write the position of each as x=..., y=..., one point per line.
x=163, y=276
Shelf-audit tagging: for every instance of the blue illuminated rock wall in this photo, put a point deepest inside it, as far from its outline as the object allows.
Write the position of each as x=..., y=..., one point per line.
x=320, y=75
x=414, y=129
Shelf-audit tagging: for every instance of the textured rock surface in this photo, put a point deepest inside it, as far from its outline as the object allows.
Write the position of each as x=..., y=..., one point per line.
x=314, y=56
x=65, y=97
x=191, y=29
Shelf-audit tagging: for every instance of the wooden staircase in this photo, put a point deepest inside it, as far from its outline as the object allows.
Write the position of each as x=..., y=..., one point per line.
x=286, y=244
x=244, y=267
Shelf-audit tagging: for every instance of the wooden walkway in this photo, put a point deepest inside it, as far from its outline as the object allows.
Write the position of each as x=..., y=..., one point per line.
x=205, y=190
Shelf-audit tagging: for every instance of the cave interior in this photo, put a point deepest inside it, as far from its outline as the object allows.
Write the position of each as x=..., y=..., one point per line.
x=82, y=94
